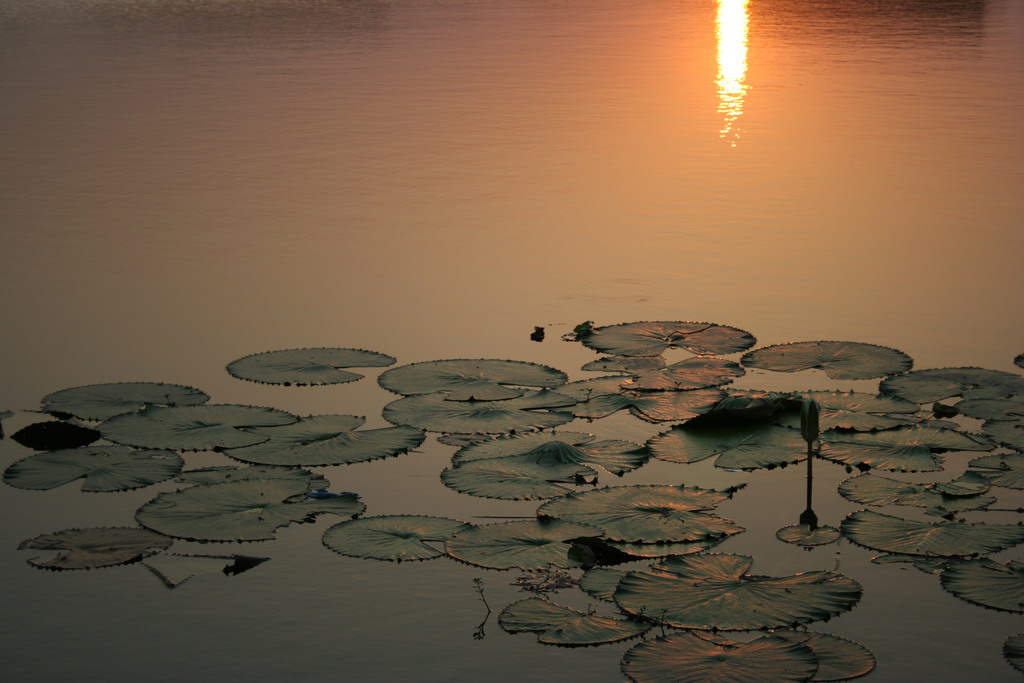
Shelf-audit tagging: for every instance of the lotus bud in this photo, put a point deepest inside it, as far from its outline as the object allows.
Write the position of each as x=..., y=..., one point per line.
x=809, y=420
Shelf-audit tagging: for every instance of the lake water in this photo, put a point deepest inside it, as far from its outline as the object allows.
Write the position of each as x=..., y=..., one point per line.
x=185, y=182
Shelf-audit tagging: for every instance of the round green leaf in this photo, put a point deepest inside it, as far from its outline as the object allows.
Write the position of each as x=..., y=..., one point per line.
x=515, y=477
x=226, y=474
x=103, y=468
x=804, y=535
x=745, y=446
x=103, y=401
x=527, y=544
x=470, y=379
x=839, y=359
x=904, y=449
x=935, y=384
x=987, y=583
x=393, y=537
x=654, y=338
x=193, y=427
x=433, y=412
x=992, y=408
x=652, y=406
x=561, y=448
x=945, y=539
x=1008, y=433
x=565, y=626
x=956, y=496
x=839, y=659
x=306, y=366
x=651, y=372
x=97, y=547
x=1002, y=469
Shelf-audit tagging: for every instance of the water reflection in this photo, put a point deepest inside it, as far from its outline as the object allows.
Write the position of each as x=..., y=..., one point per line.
x=731, y=31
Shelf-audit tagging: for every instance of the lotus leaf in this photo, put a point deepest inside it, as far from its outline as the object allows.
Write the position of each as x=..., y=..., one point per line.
x=601, y=582
x=515, y=477
x=956, y=496
x=174, y=569
x=804, y=535
x=987, y=583
x=712, y=591
x=54, y=435
x=687, y=657
x=650, y=550
x=928, y=565
x=1002, y=469
x=223, y=475
x=651, y=372
x=434, y=413
x=327, y=440
x=904, y=449
x=393, y=537
x=103, y=468
x=854, y=410
x=646, y=513
x=306, y=366
x=1013, y=647
x=839, y=359
x=652, y=406
x=945, y=539
x=1007, y=433
x=565, y=626
x=935, y=384
x=249, y=510
x=744, y=446
x=992, y=408
x=653, y=338
x=104, y=401
x=527, y=544
x=193, y=427
x=563, y=448
x=470, y=380
x=839, y=659
x=97, y=547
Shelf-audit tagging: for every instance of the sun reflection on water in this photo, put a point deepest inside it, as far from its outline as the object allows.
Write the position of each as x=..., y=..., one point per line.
x=731, y=31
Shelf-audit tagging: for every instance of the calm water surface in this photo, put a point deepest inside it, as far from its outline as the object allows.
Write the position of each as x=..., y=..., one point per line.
x=184, y=183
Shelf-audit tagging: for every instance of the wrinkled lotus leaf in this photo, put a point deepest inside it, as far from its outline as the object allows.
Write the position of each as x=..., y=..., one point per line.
x=839, y=359
x=515, y=477
x=565, y=626
x=1007, y=433
x=193, y=428
x=911, y=537
x=839, y=659
x=742, y=406
x=689, y=658
x=223, y=475
x=240, y=510
x=527, y=544
x=992, y=408
x=653, y=338
x=460, y=440
x=711, y=591
x=174, y=569
x=936, y=384
x=470, y=380
x=434, y=413
x=652, y=406
x=745, y=446
x=306, y=366
x=955, y=496
x=54, y=435
x=601, y=582
x=322, y=440
x=103, y=468
x=804, y=535
x=651, y=372
x=854, y=410
x=646, y=513
x=987, y=583
x=1005, y=470
x=394, y=537
x=559, y=448
x=904, y=449
x=104, y=401
x=1013, y=647
x=97, y=547
x=928, y=565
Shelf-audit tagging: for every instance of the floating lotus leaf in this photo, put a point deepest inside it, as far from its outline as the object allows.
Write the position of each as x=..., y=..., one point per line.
x=742, y=406
x=527, y=544
x=744, y=446
x=935, y=384
x=652, y=406
x=1013, y=647
x=224, y=475
x=651, y=550
x=103, y=468
x=565, y=626
x=174, y=569
x=839, y=659
x=804, y=535
x=992, y=408
x=103, y=401
x=563, y=448
x=515, y=477
x=956, y=496
x=1007, y=433
x=651, y=372
x=905, y=449
x=306, y=366
x=434, y=413
x=645, y=513
x=690, y=658
x=393, y=537
x=248, y=510
x=97, y=547
x=653, y=338
x=586, y=389
x=1002, y=469
x=712, y=591
x=987, y=583
x=54, y=435
x=601, y=582
x=193, y=428
x=854, y=410
x=945, y=539
x=928, y=565
x=839, y=359
x=327, y=440
x=470, y=380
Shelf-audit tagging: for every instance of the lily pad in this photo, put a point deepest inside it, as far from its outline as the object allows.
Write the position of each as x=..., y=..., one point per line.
x=936, y=384
x=103, y=468
x=306, y=366
x=944, y=539
x=527, y=544
x=904, y=449
x=654, y=338
x=55, y=435
x=104, y=401
x=393, y=537
x=652, y=406
x=565, y=626
x=1013, y=647
x=712, y=591
x=992, y=408
x=564, y=448
x=322, y=440
x=839, y=359
x=250, y=510
x=652, y=374
x=804, y=535
x=646, y=513
x=471, y=380
x=1007, y=433
x=855, y=410
x=193, y=427
x=693, y=658
x=1002, y=469
x=96, y=547
x=601, y=582
x=961, y=494
x=987, y=583
x=745, y=446
x=515, y=477
x=839, y=659
x=434, y=413
x=226, y=474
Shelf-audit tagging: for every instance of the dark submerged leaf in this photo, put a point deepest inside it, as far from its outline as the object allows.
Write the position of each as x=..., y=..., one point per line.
x=306, y=366
x=54, y=435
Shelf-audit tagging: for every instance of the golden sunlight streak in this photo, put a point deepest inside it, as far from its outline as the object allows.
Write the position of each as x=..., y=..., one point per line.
x=731, y=31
